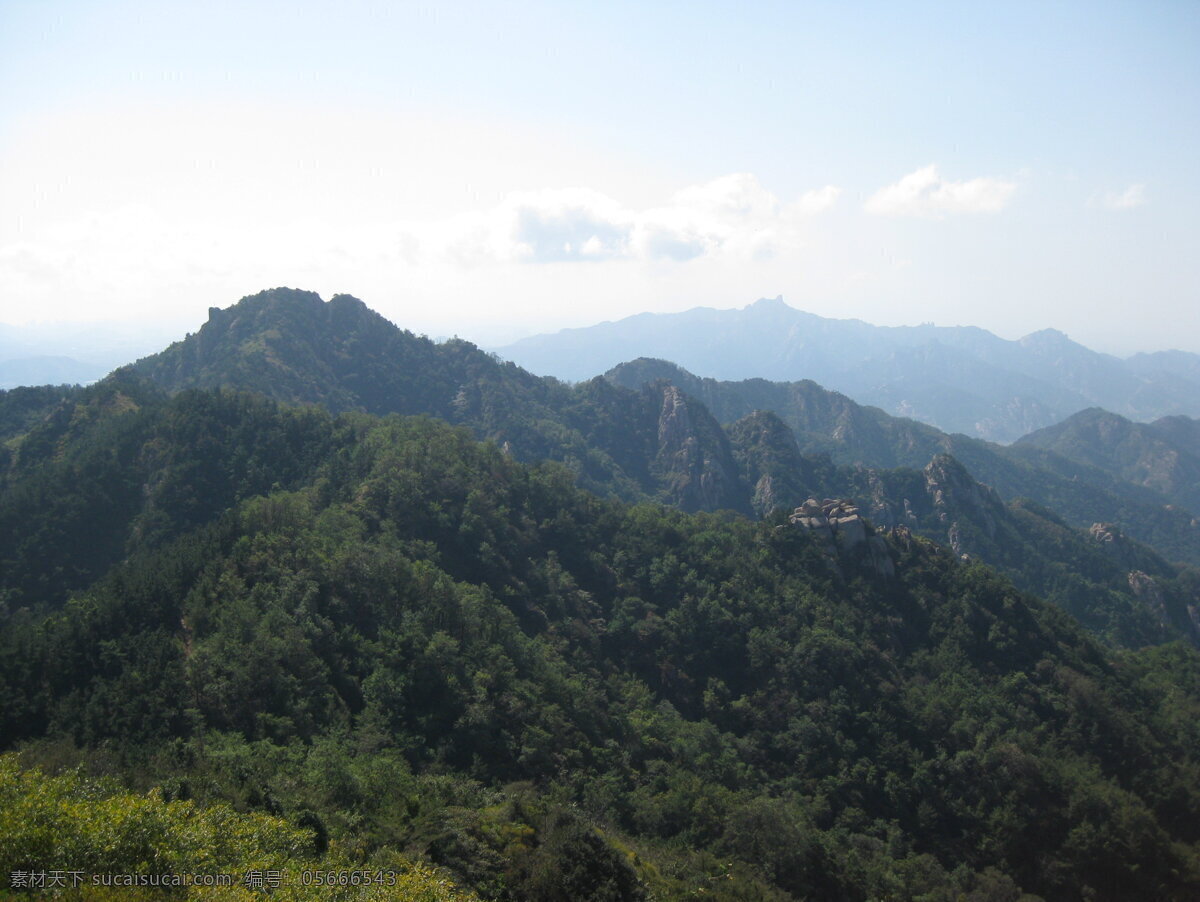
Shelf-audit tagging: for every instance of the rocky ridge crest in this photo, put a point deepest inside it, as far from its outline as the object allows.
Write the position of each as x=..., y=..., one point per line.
x=844, y=532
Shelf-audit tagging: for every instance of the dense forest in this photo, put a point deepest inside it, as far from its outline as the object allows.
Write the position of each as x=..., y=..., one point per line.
x=382, y=644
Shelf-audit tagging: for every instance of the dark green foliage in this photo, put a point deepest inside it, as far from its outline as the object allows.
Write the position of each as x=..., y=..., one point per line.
x=22, y=408
x=572, y=861
x=406, y=641
x=118, y=468
x=770, y=461
x=290, y=346
x=419, y=644
x=652, y=441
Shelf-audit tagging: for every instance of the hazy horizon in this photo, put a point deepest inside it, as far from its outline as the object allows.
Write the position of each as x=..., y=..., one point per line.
x=114, y=343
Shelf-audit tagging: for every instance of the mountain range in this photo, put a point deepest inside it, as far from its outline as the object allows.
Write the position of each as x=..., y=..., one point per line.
x=649, y=430
x=380, y=603
x=959, y=379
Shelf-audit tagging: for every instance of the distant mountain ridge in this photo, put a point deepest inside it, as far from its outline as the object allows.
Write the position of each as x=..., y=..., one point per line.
x=1163, y=455
x=650, y=429
x=959, y=378
x=47, y=370
x=72, y=352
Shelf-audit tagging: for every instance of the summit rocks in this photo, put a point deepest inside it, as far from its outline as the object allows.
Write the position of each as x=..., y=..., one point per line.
x=845, y=533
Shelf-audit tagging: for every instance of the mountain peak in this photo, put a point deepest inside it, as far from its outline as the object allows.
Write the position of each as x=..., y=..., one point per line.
x=282, y=295
x=348, y=301
x=1046, y=338
x=769, y=304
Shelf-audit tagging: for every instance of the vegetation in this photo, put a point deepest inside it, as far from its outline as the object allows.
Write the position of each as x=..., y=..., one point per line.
x=1163, y=456
x=88, y=839
x=412, y=647
x=313, y=635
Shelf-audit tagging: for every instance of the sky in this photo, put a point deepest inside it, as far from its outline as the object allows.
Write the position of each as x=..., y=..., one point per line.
x=497, y=170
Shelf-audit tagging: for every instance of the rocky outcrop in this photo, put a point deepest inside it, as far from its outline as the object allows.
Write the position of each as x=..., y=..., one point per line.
x=766, y=498
x=844, y=533
x=1106, y=535
x=1147, y=590
x=956, y=493
x=971, y=511
x=693, y=457
x=768, y=459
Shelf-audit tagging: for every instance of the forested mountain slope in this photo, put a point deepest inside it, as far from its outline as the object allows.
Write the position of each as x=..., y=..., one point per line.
x=1116, y=586
x=291, y=346
x=825, y=422
x=409, y=643
x=1163, y=455
x=651, y=441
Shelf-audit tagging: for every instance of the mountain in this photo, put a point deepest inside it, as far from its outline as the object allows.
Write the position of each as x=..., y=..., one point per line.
x=960, y=379
x=291, y=346
x=1181, y=364
x=654, y=438
x=1116, y=586
x=829, y=423
x=1163, y=455
x=360, y=642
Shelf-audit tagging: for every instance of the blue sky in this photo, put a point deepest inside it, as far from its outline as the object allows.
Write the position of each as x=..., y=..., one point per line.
x=491, y=170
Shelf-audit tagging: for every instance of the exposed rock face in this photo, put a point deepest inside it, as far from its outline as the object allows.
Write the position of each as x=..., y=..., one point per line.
x=700, y=473
x=1146, y=589
x=882, y=509
x=844, y=532
x=1105, y=534
x=764, y=494
x=768, y=459
x=903, y=537
x=971, y=511
x=954, y=538
x=953, y=489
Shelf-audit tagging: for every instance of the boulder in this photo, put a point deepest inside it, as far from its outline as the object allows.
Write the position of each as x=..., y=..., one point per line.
x=843, y=532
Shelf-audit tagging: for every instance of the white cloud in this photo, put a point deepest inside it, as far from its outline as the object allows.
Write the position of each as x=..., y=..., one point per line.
x=1133, y=196
x=925, y=193
x=818, y=200
x=733, y=216
x=736, y=196
x=549, y=226
x=138, y=258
